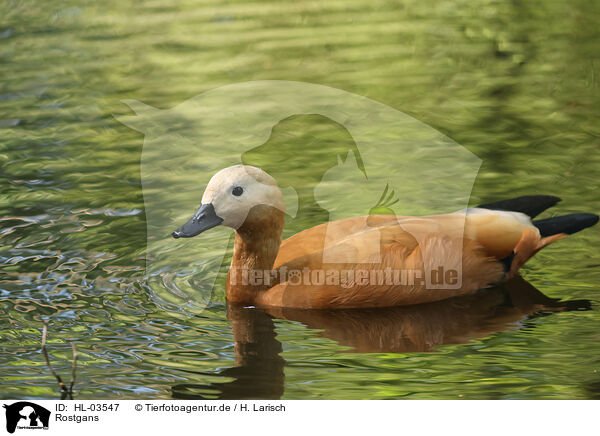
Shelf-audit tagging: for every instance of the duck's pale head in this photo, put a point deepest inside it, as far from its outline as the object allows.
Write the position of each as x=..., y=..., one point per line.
x=229, y=198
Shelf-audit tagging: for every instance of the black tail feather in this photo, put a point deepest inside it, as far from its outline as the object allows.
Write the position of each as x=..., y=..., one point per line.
x=568, y=224
x=531, y=205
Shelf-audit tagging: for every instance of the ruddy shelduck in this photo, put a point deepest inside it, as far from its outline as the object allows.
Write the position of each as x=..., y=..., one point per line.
x=337, y=264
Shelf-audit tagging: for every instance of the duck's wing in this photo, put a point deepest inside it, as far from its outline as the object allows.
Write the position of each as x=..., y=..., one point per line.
x=498, y=232
x=400, y=272
x=473, y=243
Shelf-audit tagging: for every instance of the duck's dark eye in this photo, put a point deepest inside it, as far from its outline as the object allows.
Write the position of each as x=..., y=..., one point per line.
x=237, y=191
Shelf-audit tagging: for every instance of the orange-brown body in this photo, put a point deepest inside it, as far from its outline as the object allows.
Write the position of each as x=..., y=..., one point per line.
x=471, y=244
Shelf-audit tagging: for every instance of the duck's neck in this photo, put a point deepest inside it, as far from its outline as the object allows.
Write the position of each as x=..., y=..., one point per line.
x=255, y=249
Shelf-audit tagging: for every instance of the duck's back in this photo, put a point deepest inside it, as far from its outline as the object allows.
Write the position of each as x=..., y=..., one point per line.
x=497, y=232
x=469, y=243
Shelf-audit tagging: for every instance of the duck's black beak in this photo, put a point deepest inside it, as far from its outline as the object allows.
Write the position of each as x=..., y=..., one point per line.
x=205, y=218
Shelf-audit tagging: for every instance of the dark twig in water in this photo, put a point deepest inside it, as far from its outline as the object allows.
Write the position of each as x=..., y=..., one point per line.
x=73, y=368
x=66, y=392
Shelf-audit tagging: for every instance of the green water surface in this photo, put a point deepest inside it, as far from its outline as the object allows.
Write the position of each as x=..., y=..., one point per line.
x=515, y=82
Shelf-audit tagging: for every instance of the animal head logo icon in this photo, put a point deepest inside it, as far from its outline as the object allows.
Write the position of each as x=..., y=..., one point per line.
x=25, y=414
x=394, y=164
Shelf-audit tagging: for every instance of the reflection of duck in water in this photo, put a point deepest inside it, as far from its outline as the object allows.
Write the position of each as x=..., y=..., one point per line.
x=424, y=327
x=481, y=246
x=259, y=369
